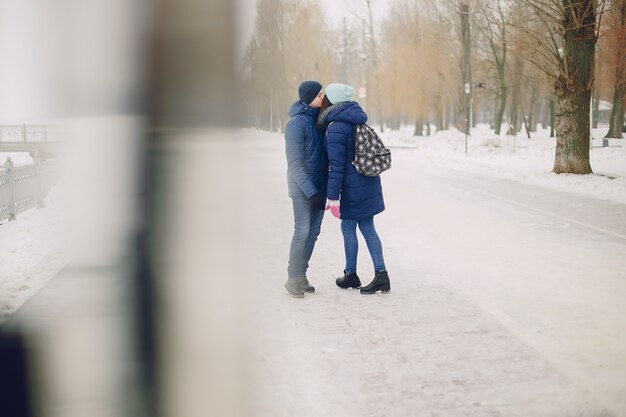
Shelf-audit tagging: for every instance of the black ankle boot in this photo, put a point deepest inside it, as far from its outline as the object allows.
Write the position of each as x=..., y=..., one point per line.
x=381, y=283
x=348, y=281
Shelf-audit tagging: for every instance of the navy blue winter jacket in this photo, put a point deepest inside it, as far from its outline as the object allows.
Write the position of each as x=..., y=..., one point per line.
x=307, y=166
x=361, y=196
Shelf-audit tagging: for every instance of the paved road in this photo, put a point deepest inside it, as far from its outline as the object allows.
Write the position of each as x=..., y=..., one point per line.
x=507, y=300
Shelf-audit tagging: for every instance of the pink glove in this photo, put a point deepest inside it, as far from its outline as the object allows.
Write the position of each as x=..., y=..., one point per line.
x=333, y=206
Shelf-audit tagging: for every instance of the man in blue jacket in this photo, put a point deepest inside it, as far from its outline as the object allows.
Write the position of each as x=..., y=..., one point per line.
x=307, y=174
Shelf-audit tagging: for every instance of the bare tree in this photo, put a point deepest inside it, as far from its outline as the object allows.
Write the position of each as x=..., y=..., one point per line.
x=306, y=27
x=493, y=30
x=516, y=95
x=264, y=63
x=491, y=26
x=444, y=15
x=414, y=69
x=373, y=76
x=274, y=64
x=559, y=37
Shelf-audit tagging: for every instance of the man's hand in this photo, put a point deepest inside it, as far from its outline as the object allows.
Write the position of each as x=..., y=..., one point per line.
x=317, y=201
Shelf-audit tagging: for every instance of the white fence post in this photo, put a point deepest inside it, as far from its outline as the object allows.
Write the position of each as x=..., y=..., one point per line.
x=8, y=166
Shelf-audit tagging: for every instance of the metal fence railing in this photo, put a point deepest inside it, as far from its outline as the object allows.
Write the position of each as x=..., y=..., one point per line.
x=25, y=187
x=27, y=138
x=13, y=134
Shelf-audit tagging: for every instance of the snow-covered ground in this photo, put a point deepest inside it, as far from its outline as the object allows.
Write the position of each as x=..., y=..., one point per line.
x=507, y=283
x=18, y=158
x=506, y=297
x=520, y=159
x=33, y=249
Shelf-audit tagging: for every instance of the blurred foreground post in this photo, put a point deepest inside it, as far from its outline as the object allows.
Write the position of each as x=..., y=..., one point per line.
x=144, y=321
x=189, y=246
x=16, y=392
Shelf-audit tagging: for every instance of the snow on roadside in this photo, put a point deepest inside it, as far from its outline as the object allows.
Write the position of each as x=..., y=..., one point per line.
x=33, y=251
x=519, y=159
x=18, y=158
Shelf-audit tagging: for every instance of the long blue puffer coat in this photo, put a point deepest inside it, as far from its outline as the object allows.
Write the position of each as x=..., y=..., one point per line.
x=307, y=164
x=361, y=196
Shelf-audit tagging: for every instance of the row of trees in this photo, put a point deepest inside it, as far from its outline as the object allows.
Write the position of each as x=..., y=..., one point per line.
x=541, y=61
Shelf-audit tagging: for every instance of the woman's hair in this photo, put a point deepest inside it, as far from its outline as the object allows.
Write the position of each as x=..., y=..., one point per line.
x=325, y=104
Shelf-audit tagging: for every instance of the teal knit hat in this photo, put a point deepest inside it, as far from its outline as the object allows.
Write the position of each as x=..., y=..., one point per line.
x=337, y=92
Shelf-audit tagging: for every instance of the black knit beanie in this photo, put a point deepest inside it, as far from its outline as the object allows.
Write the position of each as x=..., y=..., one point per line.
x=308, y=90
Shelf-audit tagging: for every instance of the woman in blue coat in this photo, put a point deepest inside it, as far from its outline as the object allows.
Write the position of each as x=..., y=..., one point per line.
x=353, y=197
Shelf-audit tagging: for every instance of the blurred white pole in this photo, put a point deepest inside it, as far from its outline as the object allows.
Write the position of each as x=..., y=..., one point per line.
x=196, y=210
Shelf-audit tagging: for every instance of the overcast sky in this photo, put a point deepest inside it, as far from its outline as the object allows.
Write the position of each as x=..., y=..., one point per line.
x=336, y=10
x=25, y=46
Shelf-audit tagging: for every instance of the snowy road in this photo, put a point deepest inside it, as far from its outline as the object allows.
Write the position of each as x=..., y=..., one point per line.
x=507, y=300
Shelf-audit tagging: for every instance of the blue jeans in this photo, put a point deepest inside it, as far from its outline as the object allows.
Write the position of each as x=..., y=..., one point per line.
x=307, y=226
x=351, y=243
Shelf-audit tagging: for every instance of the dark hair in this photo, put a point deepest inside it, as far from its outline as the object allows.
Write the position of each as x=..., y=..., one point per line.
x=325, y=104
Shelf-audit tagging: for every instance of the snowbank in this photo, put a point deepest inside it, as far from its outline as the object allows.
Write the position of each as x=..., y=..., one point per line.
x=519, y=159
x=33, y=251
x=18, y=158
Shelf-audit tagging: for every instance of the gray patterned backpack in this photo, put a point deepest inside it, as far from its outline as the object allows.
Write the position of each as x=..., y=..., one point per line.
x=371, y=157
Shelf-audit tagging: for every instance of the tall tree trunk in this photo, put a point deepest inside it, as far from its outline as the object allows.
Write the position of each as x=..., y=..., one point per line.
x=552, y=116
x=526, y=122
x=501, y=107
x=532, y=111
x=572, y=131
x=518, y=71
x=527, y=127
x=394, y=124
x=439, y=112
x=573, y=88
x=617, y=113
x=419, y=126
x=453, y=116
x=500, y=58
x=374, y=60
x=544, y=113
x=466, y=66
